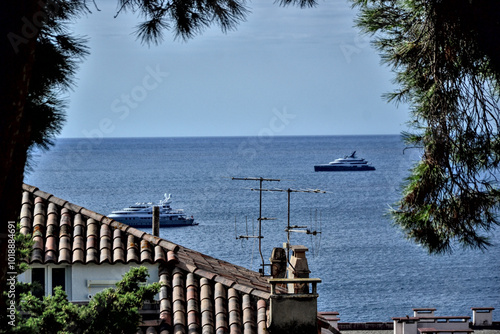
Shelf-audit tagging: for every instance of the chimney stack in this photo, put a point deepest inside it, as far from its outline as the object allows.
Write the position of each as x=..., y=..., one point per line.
x=156, y=221
x=298, y=268
x=278, y=263
x=292, y=311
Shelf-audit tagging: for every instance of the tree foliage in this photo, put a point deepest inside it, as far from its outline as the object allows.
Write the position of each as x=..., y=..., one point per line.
x=448, y=73
x=184, y=18
x=189, y=18
x=58, y=54
x=39, y=58
x=110, y=311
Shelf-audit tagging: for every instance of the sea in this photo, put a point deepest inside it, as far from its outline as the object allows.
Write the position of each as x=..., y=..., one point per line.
x=369, y=271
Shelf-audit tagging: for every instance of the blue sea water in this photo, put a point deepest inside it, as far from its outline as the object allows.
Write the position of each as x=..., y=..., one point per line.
x=369, y=271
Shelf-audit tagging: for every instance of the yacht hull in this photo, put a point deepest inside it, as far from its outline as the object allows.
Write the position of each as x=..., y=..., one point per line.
x=141, y=215
x=330, y=168
x=147, y=221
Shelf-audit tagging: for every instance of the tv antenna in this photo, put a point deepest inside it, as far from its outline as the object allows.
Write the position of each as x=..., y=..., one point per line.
x=315, y=224
x=260, y=219
x=294, y=228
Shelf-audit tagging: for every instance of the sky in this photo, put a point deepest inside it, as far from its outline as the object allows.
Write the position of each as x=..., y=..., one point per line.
x=283, y=71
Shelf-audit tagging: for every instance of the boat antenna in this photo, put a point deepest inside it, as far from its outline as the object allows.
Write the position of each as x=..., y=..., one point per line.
x=166, y=198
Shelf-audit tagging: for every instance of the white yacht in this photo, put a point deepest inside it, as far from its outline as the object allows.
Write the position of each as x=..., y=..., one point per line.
x=141, y=215
x=347, y=163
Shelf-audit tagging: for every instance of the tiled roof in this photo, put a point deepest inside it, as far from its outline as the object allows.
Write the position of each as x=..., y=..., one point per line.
x=67, y=233
x=199, y=293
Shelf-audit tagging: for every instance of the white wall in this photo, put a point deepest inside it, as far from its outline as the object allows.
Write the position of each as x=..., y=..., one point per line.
x=78, y=275
x=82, y=273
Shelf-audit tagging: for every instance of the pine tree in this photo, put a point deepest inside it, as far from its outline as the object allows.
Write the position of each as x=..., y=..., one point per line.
x=446, y=60
x=39, y=58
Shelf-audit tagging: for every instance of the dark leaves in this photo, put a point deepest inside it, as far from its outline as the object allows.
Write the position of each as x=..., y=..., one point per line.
x=300, y=3
x=151, y=31
x=56, y=61
x=448, y=78
x=186, y=18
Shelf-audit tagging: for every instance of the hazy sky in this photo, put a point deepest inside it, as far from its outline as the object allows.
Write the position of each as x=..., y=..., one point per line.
x=285, y=71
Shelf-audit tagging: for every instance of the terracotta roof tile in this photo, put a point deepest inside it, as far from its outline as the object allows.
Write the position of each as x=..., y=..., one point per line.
x=159, y=255
x=118, y=247
x=58, y=201
x=78, y=253
x=261, y=316
x=192, y=307
x=25, y=225
x=79, y=235
x=105, y=256
x=146, y=255
x=78, y=238
x=26, y=216
x=165, y=296
x=206, y=306
x=172, y=257
x=64, y=250
x=261, y=294
x=52, y=214
x=39, y=208
x=224, y=280
x=64, y=243
x=79, y=225
x=37, y=256
x=92, y=228
x=132, y=249
x=91, y=254
x=51, y=240
x=66, y=224
x=179, y=301
x=117, y=239
x=26, y=197
x=105, y=245
x=38, y=242
x=221, y=313
x=243, y=288
x=234, y=311
x=205, y=274
x=249, y=325
x=78, y=242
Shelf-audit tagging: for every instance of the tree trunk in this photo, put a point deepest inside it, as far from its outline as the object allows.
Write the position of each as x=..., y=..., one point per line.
x=19, y=28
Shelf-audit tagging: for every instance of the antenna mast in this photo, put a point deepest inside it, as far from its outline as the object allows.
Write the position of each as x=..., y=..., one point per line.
x=260, y=219
x=293, y=228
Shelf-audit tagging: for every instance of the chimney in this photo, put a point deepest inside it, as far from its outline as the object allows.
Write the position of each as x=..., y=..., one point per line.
x=298, y=268
x=291, y=313
x=482, y=316
x=278, y=263
x=293, y=310
x=156, y=221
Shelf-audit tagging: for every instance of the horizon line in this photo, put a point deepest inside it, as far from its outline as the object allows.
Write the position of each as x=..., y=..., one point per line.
x=232, y=136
